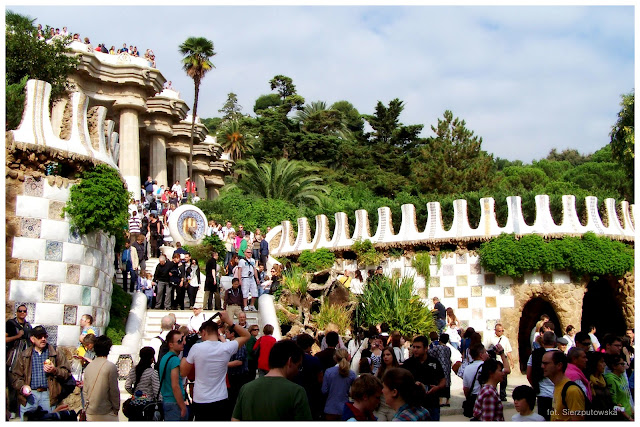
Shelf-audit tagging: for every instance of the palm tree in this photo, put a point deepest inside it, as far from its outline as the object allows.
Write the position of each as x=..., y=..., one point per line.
x=197, y=52
x=282, y=179
x=317, y=113
x=233, y=140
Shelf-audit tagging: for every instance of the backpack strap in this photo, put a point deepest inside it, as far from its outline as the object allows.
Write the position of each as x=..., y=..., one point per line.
x=474, y=380
x=564, y=393
x=164, y=372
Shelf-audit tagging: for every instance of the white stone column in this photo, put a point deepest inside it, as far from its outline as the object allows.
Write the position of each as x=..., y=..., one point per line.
x=130, y=150
x=158, y=159
x=180, y=163
x=200, y=184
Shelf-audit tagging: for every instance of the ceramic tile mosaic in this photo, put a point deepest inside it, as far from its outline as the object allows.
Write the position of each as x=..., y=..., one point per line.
x=463, y=303
x=53, y=251
x=31, y=310
x=476, y=291
x=52, y=331
x=447, y=270
x=88, y=257
x=51, y=293
x=422, y=292
x=504, y=289
x=461, y=280
x=30, y=227
x=28, y=269
x=74, y=236
x=461, y=258
x=70, y=314
x=73, y=273
x=489, y=279
x=476, y=314
x=434, y=281
x=33, y=187
x=476, y=269
x=491, y=324
x=547, y=277
x=86, y=296
x=55, y=210
x=490, y=301
x=449, y=292
x=464, y=324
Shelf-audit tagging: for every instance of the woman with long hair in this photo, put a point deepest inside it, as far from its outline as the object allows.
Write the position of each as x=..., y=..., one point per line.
x=389, y=361
x=488, y=406
x=401, y=393
x=194, y=281
x=396, y=344
x=144, y=377
x=276, y=278
x=233, y=262
x=601, y=400
x=336, y=384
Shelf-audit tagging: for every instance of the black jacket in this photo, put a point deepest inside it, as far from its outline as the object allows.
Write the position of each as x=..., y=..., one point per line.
x=210, y=283
x=162, y=272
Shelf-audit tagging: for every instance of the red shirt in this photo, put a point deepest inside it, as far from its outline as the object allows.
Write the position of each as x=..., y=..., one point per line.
x=264, y=343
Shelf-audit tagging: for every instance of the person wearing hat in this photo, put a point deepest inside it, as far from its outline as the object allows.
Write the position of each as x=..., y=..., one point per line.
x=38, y=374
x=197, y=319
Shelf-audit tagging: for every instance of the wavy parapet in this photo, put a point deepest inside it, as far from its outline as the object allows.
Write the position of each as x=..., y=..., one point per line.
x=619, y=225
x=36, y=127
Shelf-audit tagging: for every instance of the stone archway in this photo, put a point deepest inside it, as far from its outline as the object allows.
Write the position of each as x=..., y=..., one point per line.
x=530, y=316
x=604, y=307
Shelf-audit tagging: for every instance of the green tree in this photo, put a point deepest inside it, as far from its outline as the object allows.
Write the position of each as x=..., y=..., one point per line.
x=387, y=129
x=234, y=139
x=453, y=161
x=266, y=101
x=231, y=110
x=571, y=155
x=212, y=124
x=27, y=56
x=622, y=135
x=281, y=179
x=196, y=62
x=287, y=91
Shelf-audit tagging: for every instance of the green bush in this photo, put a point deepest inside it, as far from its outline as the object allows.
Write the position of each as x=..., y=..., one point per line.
x=421, y=263
x=333, y=313
x=202, y=252
x=282, y=317
x=99, y=202
x=295, y=280
x=587, y=255
x=15, y=94
x=392, y=300
x=318, y=260
x=120, y=306
x=366, y=253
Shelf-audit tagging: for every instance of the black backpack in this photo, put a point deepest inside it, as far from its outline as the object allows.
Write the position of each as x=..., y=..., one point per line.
x=164, y=349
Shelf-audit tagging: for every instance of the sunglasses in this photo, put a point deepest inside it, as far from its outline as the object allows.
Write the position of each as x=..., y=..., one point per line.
x=41, y=337
x=254, y=330
x=180, y=340
x=22, y=311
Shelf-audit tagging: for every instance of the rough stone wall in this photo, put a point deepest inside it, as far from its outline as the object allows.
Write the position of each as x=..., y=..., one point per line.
x=57, y=273
x=626, y=297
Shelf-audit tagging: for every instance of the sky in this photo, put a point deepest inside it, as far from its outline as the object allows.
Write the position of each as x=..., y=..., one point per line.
x=525, y=78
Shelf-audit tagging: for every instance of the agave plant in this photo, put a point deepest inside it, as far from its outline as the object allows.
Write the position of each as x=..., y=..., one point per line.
x=295, y=280
x=333, y=313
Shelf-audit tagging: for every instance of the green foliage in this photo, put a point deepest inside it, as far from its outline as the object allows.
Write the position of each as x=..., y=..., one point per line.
x=202, y=252
x=231, y=110
x=318, y=260
x=623, y=136
x=421, y=263
x=212, y=124
x=587, y=255
x=396, y=252
x=120, y=306
x=295, y=280
x=366, y=253
x=283, y=319
x=333, y=313
x=392, y=300
x=99, y=202
x=15, y=103
x=234, y=138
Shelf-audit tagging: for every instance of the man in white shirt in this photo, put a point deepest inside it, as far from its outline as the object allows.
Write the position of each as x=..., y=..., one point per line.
x=197, y=319
x=471, y=387
x=595, y=344
x=166, y=323
x=246, y=273
x=227, y=229
x=491, y=341
x=210, y=358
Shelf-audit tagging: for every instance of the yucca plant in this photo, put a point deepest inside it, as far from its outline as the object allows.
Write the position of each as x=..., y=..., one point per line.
x=295, y=280
x=333, y=313
x=393, y=301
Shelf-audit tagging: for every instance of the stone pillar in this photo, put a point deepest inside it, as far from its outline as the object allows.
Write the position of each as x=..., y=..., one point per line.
x=130, y=149
x=180, y=168
x=57, y=115
x=212, y=192
x=158, y=159
x=200, y=184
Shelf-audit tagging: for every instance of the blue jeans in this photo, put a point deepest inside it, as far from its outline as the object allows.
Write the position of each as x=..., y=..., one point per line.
x=37, y=398
x=440, y=324
x=435, y=413
x=456, y=345
x=149, y=300
x=172, y=412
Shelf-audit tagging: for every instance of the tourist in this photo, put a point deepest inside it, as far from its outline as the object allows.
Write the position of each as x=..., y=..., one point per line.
x=326, y=356
x=128, y=266
x=618, y=385
x=494, y=339
x=262, y=347
x=570, y=333
x=524, y=400
x=428, y=371
x=397, y=344
x=355, y=346
x=155, y=235
x=335, y=385
x=535, y=331
x=144, y=377
x=238, y=368
x=628, y=353
x=255, y=245
x=583, y=341
x=264, y=250
x=366, y=392
x=310, y=376
x=569, y=402
x=376, y=353
x=451, y=329
x=252, y=359
x=211, y=356
x=177, y=283
x=233, y=299
x=85, y=353
x=192, y=278
x=37, y=381
x=405, y=395
x=197, y=319
x=246, y=273
x=575, y=371
x=276, y=278
x=275, y=397
x=470, y=384
x=443, y=354
x=86, y=328
x=389, y=361
x=242, y=320
x=166, y=326
x=161, y=278
x=229, y=245
x=595, y=344
x=211, y=283
x=488, y=406
x=600, y=394
x=546, y=327
x=141, y=252
x=17, y=340
x=535, y=374
x=440, y=313
x=100, y=391
x=145, y=285
x=171, y=382
x=112, y=51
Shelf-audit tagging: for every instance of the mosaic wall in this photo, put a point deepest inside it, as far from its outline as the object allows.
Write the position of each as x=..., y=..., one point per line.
x=61, y=275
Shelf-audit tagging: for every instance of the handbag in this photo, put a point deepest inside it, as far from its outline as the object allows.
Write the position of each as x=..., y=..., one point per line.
x=470, y=402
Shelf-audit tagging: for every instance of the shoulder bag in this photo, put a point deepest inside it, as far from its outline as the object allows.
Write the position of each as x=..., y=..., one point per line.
x=470, y=402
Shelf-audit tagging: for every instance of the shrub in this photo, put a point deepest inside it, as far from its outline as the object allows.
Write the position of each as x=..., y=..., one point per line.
x=282, y=317
x=366, y=253
x=392, y=300
x=333, y=313
x=421, y=263
x=202, y=252
x=120, y=306
x=295, y=280
x=316, y=261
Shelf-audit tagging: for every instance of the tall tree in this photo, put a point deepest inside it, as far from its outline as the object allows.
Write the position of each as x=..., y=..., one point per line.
x=231, y=110
x=622, y=135
x=234, y=139
x=197, y=52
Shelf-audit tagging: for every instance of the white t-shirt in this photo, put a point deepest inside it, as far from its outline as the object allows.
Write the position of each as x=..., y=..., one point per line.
x=469, y=374
x=494, y=340
x=356, y=286
x=196, y=321
x=594, y=340
x=246, y=268
x=531, y=417
x=546, y=386
x=210, y=359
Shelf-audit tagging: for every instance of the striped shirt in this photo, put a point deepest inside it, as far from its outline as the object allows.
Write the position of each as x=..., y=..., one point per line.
x=38, y=376
x=149, y=382
x=134, y=225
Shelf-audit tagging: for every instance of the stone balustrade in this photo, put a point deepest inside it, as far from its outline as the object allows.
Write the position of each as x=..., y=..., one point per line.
x=106, y=58
x=291, y=243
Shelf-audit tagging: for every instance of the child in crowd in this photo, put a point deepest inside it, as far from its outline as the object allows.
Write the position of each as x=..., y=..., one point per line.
x=263, y=347
x=524, y=400
x=145, y=285
x=365, y=393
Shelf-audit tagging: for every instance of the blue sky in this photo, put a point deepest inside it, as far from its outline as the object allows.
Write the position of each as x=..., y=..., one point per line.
x=527, y=79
